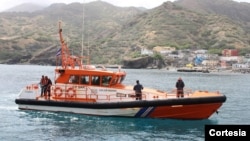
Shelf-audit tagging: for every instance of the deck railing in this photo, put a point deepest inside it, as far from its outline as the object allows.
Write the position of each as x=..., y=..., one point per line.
x=86, y=93
x=72, y=92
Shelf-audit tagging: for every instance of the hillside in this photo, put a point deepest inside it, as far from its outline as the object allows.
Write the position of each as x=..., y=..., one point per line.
x=115, y=33
x=26, y=7
x=171, y=25
x=24, y=34
x=237, y=11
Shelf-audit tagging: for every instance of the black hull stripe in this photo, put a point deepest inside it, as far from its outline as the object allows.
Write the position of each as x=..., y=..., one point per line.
x=131, y=104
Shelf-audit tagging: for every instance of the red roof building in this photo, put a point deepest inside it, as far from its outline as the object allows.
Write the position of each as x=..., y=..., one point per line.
x=230, y=52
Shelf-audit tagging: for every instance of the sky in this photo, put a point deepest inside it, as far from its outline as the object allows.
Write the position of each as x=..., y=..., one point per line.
x=6, y=4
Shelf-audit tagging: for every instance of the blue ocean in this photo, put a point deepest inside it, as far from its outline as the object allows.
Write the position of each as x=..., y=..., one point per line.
x=21, y=125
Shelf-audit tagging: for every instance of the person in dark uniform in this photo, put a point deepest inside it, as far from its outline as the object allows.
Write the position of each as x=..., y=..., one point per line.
x=180, y=85
x=48, y=86
x=138, y=90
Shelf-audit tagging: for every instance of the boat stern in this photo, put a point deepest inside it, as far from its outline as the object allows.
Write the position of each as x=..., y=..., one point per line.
x=29, y=92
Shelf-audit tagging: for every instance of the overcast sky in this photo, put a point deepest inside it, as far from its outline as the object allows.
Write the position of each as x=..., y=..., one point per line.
x=6, y=4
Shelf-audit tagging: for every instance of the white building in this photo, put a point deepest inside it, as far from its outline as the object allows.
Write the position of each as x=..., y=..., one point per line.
x=145, y=51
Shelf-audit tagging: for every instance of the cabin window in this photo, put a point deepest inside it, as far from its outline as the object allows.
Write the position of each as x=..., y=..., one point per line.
x=122, y=78
x=119, y=79
x=106, y=80
x=95, y=80
x=74, y=79
x=84, y=80
x=114, y=81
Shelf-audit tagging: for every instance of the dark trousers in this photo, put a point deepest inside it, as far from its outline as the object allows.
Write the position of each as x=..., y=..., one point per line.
x=180, y=93
x=47, y=90
x=138, y=96
x=42, y=90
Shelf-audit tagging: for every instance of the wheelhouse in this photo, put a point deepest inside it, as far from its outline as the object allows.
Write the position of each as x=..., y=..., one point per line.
x=89, y=77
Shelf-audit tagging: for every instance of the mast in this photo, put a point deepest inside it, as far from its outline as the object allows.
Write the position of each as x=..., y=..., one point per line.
x=67, y=61
x=82, y=31
x=83, y=22
x=63, y=47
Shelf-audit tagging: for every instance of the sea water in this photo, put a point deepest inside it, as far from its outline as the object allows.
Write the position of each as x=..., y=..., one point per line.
x=20, y=125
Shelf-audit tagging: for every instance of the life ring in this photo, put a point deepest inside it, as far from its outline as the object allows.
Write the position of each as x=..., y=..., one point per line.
x=58, y=92
x=71, y=92
x=35, y=86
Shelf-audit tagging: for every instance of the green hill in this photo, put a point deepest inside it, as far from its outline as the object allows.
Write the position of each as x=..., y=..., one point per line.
x=114, y=33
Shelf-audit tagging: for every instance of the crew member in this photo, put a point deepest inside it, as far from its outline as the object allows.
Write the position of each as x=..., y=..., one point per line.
x=180, y=85
x=42, y=85
x=138, y=90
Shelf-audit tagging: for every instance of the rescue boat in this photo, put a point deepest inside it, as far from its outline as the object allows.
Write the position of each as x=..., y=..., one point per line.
x=91, y=90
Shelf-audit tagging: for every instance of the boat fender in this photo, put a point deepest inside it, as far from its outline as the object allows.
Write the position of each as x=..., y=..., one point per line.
x=71, y=92
x=58, y=92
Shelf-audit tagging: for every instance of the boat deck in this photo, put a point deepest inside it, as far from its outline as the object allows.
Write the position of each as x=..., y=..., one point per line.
x=96, y=94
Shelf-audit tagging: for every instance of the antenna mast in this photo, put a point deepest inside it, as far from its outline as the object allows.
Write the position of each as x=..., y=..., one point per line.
x=82, y=30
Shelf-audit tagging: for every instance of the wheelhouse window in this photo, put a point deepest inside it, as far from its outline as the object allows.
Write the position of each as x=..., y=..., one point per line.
x=98, y=80
x=106, y=80
x=95, y=80
x=84, y=80
x=114, y=81
x=122, y=78
x=74, y=79
x=117, y=80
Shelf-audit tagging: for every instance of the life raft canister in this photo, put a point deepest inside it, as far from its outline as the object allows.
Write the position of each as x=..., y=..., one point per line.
x=58, y=92
x=71, y=92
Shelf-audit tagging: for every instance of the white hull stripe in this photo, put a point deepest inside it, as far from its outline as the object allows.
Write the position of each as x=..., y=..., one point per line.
x=144, y=112
x=127, y=112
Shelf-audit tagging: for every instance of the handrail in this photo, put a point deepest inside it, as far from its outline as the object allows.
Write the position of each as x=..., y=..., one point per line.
x=88, y=93
x=76, y=92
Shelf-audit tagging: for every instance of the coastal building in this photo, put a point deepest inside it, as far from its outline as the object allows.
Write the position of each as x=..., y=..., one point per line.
x=145, y=51
x=243, y=68
x=211, y=63
x=228, y=61
x=247, y=55
x=230, y=52
x=163, y=50
x=200, y=51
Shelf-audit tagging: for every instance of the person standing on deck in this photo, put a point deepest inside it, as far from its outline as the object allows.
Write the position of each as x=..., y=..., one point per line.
x=42, y=85
x=180, y=85
x=138, y=90
x=47, y=86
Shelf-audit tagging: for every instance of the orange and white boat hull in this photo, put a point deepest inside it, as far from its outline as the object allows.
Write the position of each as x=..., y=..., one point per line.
x=186, y=108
